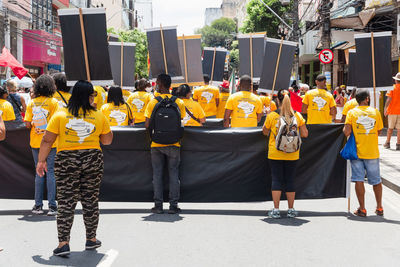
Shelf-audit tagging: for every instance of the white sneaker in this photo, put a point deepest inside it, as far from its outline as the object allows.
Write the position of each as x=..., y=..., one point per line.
x=274, y=214
x=52, y=211
x=291, y=213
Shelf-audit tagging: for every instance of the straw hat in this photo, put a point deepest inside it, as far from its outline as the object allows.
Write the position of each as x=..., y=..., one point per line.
x=397, y=77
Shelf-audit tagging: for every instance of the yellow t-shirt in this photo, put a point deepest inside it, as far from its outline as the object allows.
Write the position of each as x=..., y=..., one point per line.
x=36, y=109
x=365, y=122
x=271, y=123
x=349, y=106
x=138, y=102
x=126, y=94
x=61, y=102
x=266, y=100
x=117, y=115
x=196, y=110
x=319, y=103
x=207, y=97
x=78, y=133
x=245, y=106
x=149, y=111
x=223, y=97
x=101, y=97
x=7, y=110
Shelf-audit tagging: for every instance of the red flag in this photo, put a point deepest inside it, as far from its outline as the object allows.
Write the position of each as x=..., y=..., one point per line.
x=297, y=102
x=8, y=60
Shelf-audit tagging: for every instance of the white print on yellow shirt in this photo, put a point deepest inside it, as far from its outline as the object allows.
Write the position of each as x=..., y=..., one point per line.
x=186, y=118
x=82, y=129
x=247, y=107
x=207, y=95
x=319, y=101
x=367, y=122
x=138, y=103
x=118, y=116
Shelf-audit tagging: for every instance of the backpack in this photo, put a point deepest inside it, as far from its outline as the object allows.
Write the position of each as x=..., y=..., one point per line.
x=165, y=122
x=288, y=137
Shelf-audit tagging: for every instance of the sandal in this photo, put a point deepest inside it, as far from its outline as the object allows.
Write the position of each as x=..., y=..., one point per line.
x=379, y=212
x=360, y=212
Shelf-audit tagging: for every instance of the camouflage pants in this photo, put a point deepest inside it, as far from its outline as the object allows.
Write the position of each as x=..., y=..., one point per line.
x=78, y=177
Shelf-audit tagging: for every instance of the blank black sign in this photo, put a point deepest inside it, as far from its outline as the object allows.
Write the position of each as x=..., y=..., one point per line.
x=128, y=66
x=258, y=42
x=96, y=41
x=193, y=60
x=219, y=64
x=351, y=77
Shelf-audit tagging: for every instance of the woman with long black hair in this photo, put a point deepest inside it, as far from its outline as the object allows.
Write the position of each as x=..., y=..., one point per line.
x=117, y=111
x=78, y=164
x=283, y=162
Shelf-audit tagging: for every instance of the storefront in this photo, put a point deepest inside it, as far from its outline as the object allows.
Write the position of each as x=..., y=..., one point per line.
x=40, y=50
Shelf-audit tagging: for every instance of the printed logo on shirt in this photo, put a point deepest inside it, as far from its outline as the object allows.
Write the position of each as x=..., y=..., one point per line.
x=320, y=102
x=247, y=107
x=79, y=128
x=138, y=103
x=207, y=95
x=367, y=122
x=118, y=116
x=186, y=118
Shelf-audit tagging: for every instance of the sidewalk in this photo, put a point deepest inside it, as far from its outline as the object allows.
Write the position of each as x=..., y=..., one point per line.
x=390, y=164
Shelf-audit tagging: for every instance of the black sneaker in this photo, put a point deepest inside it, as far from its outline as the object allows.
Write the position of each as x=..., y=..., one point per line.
x=173, y=209
x=62, y=252
x=52, y=211
x=37, y=210
x=92, y=245
x=157, y=209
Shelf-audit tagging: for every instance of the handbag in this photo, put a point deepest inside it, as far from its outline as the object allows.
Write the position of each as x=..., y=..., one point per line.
x=349, y=151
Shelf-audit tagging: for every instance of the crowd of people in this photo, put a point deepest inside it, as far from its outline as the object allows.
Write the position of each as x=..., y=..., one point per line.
x=68, y=125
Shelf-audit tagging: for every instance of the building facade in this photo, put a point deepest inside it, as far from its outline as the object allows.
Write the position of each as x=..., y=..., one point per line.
x=143, y=14
x=119, y=13
x=233, y=9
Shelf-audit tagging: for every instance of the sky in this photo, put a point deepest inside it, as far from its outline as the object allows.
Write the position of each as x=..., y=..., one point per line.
x=186, y=14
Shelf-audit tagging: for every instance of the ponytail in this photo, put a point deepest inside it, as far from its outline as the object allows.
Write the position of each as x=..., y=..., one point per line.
x=286, y=109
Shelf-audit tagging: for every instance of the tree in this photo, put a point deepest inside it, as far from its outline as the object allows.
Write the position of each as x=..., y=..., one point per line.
x=220, y=33
x=260, y=19
x=140, y=38
x=234, y=56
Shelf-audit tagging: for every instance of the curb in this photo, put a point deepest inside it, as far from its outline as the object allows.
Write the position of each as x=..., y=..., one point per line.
x=391, y=185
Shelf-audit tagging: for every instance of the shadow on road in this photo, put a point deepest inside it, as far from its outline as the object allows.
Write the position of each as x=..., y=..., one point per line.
x=372, y=219
x=168, y=218
x=286, y=221
x=75, y=259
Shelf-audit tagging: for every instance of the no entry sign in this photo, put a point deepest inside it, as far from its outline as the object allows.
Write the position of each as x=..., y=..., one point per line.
x=326, y=56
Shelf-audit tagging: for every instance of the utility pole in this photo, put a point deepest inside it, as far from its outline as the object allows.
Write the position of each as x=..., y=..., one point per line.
x=7, y=41
x=295, y=37
x=325, y=12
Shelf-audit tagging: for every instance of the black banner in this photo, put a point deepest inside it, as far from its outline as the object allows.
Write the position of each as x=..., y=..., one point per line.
x=96, y=42
x=218, y=165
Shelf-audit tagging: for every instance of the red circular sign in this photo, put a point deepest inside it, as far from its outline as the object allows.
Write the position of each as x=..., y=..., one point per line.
x=326, y=56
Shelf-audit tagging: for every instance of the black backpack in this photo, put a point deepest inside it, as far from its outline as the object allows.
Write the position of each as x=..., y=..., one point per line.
x=165, y=122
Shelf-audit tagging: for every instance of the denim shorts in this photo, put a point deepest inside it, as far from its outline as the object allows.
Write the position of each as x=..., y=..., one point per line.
x=370, y=167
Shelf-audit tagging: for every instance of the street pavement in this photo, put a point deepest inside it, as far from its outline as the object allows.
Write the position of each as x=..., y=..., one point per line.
x=390, y=164
x=228, y=234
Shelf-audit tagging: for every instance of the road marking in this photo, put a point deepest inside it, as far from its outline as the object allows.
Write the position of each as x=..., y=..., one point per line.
x=109, y=258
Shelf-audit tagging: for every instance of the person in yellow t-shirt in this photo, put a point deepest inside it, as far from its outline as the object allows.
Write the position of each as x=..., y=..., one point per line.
x=38, y=114
x=62, y=90
x=116, y=110
x=100, y=98
x=139, y=101
x=79, y=164
x=244, y=108
x=268, y=104
x=366, y=124
x=319, y=104
x=223, y=97
x=6, y=108
x=2, y=127
x=208, y=97
x=283, y=165
x=347, y=107
x=165, y=154
x=195, y=115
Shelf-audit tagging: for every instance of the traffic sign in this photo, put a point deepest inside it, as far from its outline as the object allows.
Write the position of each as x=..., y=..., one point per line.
x=326, y=56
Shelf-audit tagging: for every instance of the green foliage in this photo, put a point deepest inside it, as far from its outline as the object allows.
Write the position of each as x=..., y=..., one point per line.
x=234, y=58
x=220, y=33
x=140, y=38
x=260, y=19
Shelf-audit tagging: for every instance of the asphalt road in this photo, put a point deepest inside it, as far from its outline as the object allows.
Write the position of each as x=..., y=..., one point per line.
x=229, y=234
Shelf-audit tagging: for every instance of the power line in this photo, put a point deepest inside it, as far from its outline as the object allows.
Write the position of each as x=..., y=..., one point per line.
x=305, y=12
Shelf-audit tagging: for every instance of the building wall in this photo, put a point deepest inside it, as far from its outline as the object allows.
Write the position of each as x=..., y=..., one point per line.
x=117, y=17
x=233, y=9
x=212, y=14
x=78, y=3
x=144, y=9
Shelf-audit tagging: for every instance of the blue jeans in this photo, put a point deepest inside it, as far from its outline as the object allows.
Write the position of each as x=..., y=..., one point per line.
x=360, y=167
x=50, y=179
x=169, y=156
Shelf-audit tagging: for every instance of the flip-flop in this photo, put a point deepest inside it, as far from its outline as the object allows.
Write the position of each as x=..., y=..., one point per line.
x=360, y=212
x=379, y=212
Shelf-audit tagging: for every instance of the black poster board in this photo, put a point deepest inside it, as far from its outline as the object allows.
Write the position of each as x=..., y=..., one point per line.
x=94, y=22
x=214, y=57
x=128, y=76
x=257, y=52
x=169, y=52
x=190, y=51
x=351, y=76
x=383, y=61
x=285, y=64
